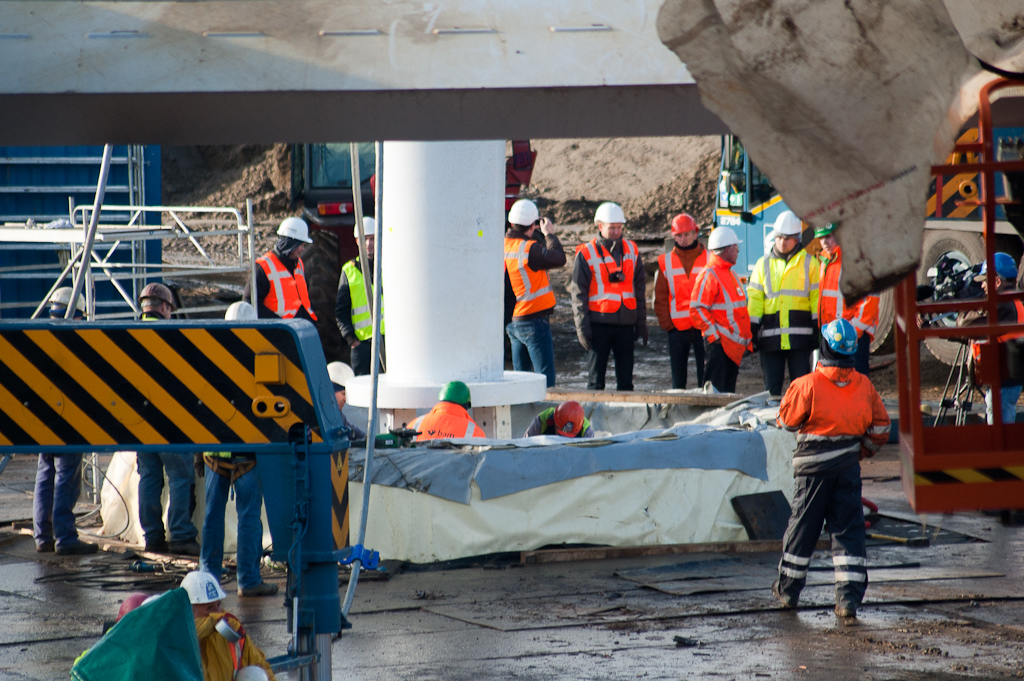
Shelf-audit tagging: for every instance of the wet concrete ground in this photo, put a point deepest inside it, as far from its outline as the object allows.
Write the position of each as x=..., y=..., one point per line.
x=957, y=616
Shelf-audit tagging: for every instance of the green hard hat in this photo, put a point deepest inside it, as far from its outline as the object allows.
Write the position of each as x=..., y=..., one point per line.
x=825, y=230
x=455, y=391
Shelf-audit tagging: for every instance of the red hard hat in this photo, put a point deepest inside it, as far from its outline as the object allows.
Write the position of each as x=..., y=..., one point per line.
x=569, y=418
x=130, y=603
x=683, y=223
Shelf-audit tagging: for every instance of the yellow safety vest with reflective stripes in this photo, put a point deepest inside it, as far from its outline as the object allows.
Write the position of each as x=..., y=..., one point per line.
x=361, y=313
x=782, y=296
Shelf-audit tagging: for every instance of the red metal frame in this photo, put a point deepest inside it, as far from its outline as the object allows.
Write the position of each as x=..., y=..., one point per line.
x=976, y=466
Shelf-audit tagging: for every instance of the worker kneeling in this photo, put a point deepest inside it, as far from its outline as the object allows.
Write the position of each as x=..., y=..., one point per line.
x=839, y=419
x=227, y=651
x=567, y=420
x=449, y=419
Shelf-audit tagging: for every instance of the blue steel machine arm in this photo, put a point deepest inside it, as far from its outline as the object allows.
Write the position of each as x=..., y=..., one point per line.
x=196, y=386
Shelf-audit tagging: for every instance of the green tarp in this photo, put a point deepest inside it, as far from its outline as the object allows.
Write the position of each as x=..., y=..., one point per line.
x=155, y=642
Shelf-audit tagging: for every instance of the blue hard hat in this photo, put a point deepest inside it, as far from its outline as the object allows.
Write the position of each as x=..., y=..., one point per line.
x=840, y=336
x=1006, y=268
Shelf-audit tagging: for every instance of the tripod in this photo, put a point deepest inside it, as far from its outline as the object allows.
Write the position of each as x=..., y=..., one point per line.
x=963, y=391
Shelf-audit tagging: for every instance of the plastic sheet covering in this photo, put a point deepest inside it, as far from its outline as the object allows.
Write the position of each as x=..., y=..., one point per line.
x=615, y=508
x=156, y=642
x=502, y=467
x=846, y=104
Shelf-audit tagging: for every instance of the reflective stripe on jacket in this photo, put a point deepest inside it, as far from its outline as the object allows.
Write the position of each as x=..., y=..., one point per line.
x=532, y=288
x=835, y=411
x=362, y=318
x=783, y=298
x=287, y=290
x=605, y=296
x=863, y=314
x=680, y=285
x=718, y=308
x=446, y=421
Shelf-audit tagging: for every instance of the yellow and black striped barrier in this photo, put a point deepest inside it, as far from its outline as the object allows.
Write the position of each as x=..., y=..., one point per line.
x=168, y=385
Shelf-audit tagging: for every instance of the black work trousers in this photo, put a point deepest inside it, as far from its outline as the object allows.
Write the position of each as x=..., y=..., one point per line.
x=773, y=367
x=719, y=368
x=611, y=339
x=832, y=498
x=679, y=344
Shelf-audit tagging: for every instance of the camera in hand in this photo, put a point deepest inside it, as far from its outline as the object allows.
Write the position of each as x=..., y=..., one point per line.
x=616, y=277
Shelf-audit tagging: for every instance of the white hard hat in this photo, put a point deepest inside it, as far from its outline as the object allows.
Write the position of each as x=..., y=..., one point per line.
x=251, y=673
x=202, y=588
x=523, y=213
x=296, y=228
x=340, y=372
x=609, y=213
x=722, y=237
x=62, y=296
x=787, y=224
x=240, y=311
x=369, y=228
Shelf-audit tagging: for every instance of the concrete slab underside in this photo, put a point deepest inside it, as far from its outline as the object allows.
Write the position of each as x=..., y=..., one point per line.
x=578, y=620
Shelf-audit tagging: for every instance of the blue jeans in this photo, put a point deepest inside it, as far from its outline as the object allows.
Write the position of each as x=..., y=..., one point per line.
x=58, y=482
x=248, y=502
x=181, y=491
x=532, y=347
x=1009, y=395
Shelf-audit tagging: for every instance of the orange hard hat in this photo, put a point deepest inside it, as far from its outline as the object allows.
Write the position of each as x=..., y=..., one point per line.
x=683, y=223
x=569, y=418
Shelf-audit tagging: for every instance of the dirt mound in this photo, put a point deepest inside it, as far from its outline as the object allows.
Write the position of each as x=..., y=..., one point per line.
x=653, y=178
x=227, y=176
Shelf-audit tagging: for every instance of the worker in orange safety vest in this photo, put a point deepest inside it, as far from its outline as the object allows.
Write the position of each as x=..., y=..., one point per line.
x=839, y=419
x=529, y=299
x=609, y=307
x=449, y=419
x=673, y=284
x=281, y=289
x=718, y=307
x=863, y=313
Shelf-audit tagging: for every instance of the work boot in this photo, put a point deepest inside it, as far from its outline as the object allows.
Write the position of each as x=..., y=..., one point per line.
x=184, y=548
x=788, y=602
x=845, y=611
x=156, y=546
x=77, y=548
x=45, y=546
x=261, y=589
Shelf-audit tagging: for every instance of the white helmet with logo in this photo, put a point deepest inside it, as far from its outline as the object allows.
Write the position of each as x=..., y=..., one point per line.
x=609, y=213
x=369, y=228
x=722, y=237
x=202, y=588
x=523, y=213
x=296, y=228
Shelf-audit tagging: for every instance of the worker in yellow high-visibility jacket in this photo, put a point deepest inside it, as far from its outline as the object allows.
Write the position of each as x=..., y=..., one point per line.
x=782, y=299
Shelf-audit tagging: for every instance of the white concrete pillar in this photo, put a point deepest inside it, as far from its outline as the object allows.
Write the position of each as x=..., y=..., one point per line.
x=442, y=266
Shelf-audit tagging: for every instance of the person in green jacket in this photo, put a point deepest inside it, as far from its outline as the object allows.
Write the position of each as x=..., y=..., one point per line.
x=567, y=420
x=353, y=310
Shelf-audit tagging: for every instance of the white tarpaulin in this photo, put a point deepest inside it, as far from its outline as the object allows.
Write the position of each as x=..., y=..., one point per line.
x=642, y=507
x=846, y=104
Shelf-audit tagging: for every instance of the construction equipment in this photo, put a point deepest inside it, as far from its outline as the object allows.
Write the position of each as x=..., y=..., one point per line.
x=748, y=202
x=970, y=465
x=186, y=387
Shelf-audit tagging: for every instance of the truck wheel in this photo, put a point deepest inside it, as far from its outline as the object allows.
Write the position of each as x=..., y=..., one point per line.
x=966, y=247
x=323, y=269
x=884, y=341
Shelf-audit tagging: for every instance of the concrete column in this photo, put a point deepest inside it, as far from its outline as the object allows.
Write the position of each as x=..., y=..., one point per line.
x=442, y=267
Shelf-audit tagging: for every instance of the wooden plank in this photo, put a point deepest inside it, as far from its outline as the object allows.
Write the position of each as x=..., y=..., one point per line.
x=606, y=552
x=643, y=397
